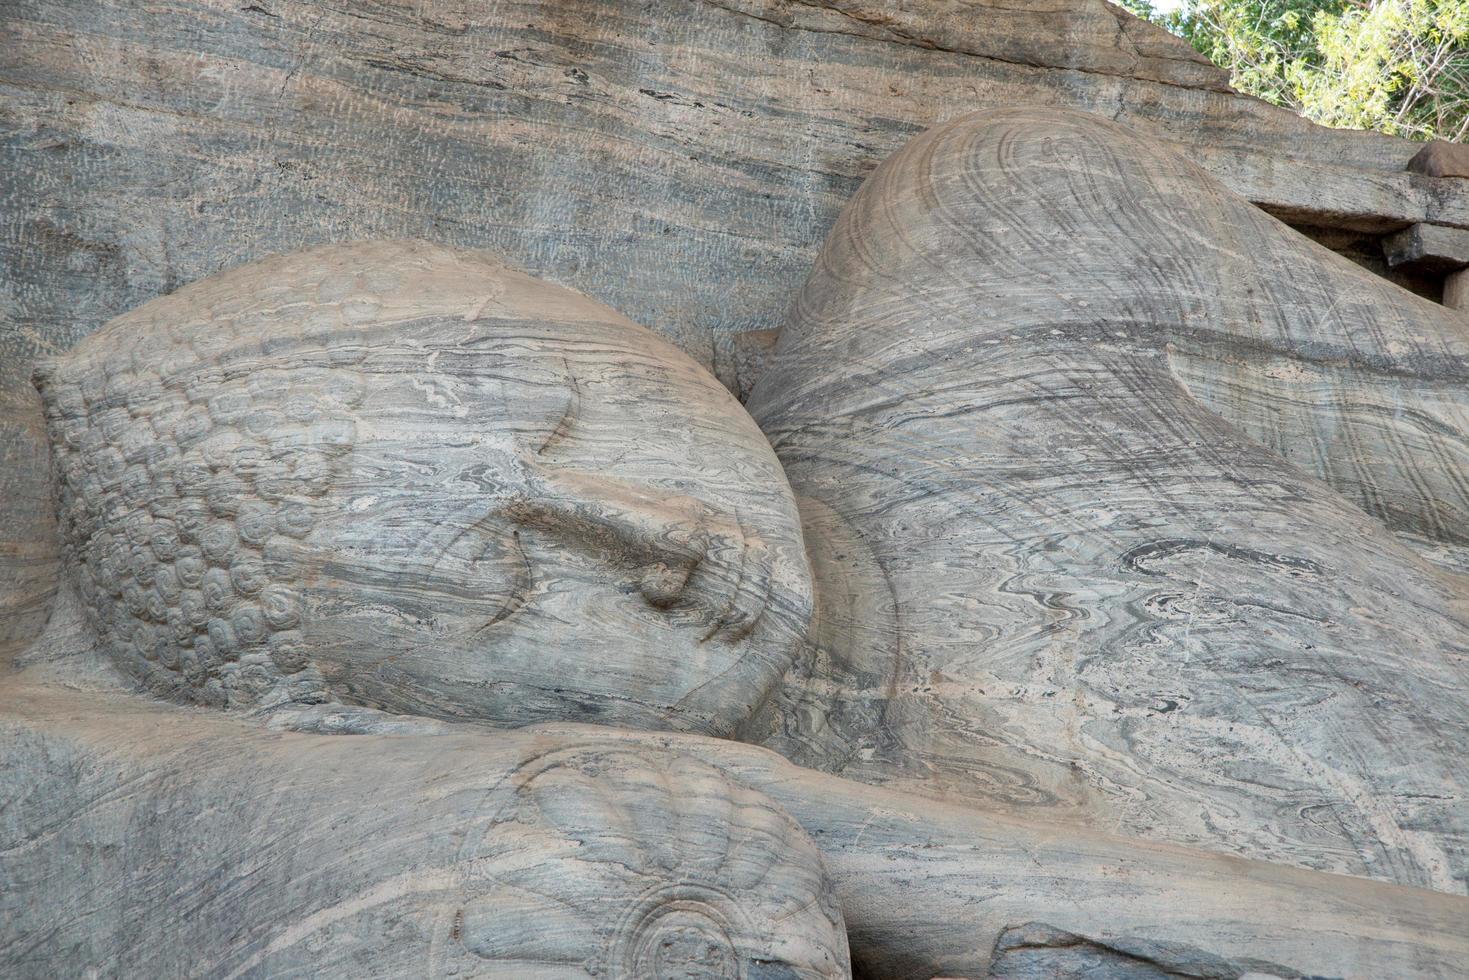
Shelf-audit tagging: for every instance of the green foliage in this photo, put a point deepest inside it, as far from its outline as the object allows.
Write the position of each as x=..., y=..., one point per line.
x=1397, y=66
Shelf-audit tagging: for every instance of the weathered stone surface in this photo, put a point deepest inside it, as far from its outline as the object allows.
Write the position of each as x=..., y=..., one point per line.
x=752, y=351
x=1135, y=522
x=680, y=161
x=1366, y=250
x=1456, y=291
x=169, y=843
x=1136, y=490
x=343, y=490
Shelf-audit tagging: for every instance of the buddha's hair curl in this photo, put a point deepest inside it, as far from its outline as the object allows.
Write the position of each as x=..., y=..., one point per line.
x=193, y=442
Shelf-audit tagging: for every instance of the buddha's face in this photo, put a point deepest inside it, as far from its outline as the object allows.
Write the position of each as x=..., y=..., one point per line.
x=410, y=478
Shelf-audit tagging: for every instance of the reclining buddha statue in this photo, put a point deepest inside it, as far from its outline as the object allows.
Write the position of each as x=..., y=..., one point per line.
x=424, y=618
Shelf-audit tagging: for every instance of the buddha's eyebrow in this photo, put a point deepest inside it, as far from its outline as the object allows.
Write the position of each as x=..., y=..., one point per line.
x=568, y=415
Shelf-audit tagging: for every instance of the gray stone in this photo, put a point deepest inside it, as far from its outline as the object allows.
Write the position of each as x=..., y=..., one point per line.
x=1036, y=951
x=752, y=352
x=146, y=839
x=146, y=843
x=1456, y=291
x=422, y=616
x=343, y=475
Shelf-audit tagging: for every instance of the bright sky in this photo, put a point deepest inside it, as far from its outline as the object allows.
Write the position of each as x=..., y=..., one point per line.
x=1167, y=6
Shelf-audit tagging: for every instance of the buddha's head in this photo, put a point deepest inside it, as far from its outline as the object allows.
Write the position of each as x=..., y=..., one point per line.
x=407, y=477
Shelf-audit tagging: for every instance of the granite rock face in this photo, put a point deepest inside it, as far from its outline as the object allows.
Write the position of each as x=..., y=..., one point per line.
x=1440, y=158
x=146, y=839
x=1036, y=951
x=1154, y=511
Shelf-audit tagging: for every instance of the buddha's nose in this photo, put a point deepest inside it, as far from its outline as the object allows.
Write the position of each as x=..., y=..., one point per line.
x=682, y=552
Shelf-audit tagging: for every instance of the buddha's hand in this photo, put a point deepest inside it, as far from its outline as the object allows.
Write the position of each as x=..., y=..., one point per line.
x=683, y=553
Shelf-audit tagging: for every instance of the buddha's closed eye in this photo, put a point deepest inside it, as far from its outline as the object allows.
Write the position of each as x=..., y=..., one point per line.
x=484, y=561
